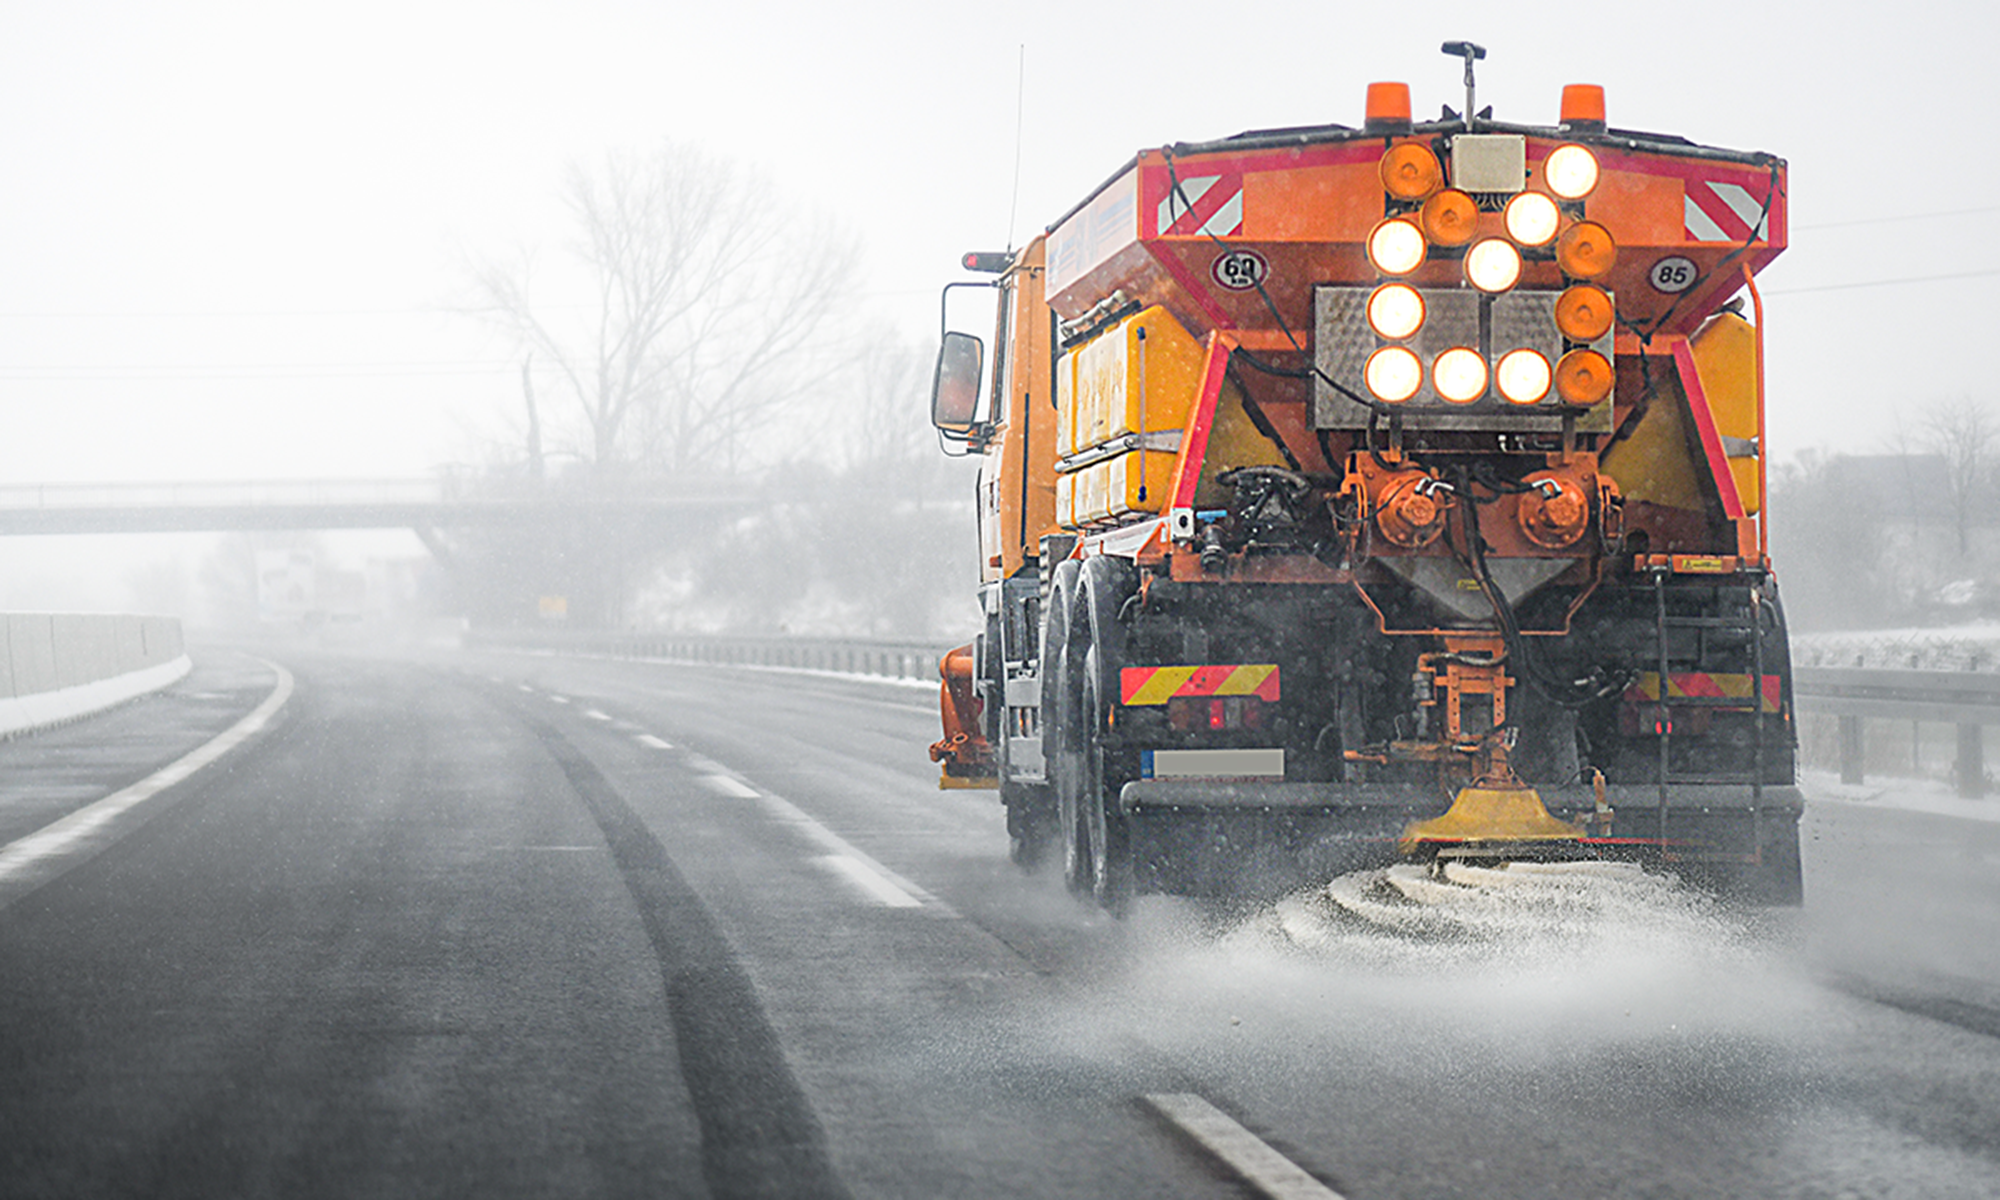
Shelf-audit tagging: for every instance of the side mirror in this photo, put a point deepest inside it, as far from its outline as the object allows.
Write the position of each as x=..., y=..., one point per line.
x=955, y=385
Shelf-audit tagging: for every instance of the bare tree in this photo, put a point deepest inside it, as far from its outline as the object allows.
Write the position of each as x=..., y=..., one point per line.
x=704, y=295
x=887, y=422
x=1963, y=433
x=1832, y=540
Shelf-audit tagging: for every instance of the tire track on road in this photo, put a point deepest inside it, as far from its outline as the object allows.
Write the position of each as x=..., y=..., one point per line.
x=759, y=1134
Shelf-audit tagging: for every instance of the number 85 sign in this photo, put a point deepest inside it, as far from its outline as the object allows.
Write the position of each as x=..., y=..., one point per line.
x=1672, y=275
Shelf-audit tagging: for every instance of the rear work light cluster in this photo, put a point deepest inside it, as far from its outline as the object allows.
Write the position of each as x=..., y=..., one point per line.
x=1483, y=341
x=1188, y=714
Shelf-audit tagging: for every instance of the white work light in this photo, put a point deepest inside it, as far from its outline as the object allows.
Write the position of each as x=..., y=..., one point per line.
x=1460, y=375
x=1394, y=374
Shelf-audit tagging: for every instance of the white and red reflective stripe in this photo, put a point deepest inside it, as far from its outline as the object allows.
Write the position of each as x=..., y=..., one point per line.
x=1204, y=205
x=1722, y=212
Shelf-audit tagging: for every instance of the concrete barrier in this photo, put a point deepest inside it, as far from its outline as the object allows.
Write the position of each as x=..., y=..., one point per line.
x=57, y=667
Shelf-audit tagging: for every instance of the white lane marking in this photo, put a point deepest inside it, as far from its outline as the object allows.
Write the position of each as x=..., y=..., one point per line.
x=594, y=715
x=729, y=786
x=1263, y=1168
x=555, y=699
x=720, y=778
x=647, y=739
x=29, y=858
x=524, y=687
x=494, y=679
x=791, y=814
x=871, y=881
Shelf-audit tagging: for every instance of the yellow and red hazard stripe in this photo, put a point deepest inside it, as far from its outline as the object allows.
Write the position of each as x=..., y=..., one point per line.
x=1702, y=685
x=1157, y=685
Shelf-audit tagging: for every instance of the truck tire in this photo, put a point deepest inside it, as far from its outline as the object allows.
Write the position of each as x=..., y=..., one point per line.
x=1062, y=708
x=1106, y=584
x=1109, y=849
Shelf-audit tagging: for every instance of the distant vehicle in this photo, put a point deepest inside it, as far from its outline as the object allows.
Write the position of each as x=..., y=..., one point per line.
x=1350, y=494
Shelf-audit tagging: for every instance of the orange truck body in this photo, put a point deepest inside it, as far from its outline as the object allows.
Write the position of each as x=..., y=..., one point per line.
x=1450, y=554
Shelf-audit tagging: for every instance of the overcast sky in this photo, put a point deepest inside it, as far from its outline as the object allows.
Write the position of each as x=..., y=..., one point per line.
x=230, y=230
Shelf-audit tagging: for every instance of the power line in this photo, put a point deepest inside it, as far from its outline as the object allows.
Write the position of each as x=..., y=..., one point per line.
x=1870, y=283
x=1957, y=212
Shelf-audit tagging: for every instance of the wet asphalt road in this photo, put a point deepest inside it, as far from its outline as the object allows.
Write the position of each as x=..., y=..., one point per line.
x=508, y=925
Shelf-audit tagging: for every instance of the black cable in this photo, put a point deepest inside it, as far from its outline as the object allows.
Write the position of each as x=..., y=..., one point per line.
x=1368, y=437
x=1255, y=411
x=1644, y=402
x=1561, y=692
x=1312, y=372
x=1771, y=193
x=1484, y=474
x=1646, y=331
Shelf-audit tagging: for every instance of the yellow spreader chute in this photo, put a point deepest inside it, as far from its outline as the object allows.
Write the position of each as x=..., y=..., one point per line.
x=1491, y=818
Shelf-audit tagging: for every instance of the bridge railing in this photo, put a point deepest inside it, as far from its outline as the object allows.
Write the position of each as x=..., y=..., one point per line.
x=225, y=493
x=886, y=658
x=446, y=488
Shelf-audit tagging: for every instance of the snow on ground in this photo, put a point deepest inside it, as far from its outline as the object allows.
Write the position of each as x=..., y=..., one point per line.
x=1908, y=795
x=1952, y=648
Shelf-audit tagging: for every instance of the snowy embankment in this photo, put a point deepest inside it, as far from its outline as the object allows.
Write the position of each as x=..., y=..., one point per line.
x=1932, y=796
x=1953, y=648
x=21, y=714
x=56, y=668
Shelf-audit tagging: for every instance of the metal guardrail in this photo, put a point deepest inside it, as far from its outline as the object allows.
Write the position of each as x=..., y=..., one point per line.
x=889, y=659
x=1969, y=700
x=1958, y=697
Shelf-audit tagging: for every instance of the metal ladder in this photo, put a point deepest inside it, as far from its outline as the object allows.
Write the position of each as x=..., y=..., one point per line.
x=1755, y=630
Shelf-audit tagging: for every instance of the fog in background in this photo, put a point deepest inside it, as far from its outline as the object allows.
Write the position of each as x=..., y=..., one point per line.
x=246, y=242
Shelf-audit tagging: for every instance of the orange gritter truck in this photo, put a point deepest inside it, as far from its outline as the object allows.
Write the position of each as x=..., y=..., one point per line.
x=1350, y=495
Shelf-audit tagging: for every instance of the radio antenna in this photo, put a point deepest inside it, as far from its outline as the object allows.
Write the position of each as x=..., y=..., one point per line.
x=1471, y=53
x=1020, y=88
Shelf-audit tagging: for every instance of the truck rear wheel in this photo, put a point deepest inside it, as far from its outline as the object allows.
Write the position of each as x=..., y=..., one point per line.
x=1062, y=723
x=1105, y=584
x=1109, y=849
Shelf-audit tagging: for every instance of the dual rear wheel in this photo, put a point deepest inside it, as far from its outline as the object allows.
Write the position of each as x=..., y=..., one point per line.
x=1082, y=649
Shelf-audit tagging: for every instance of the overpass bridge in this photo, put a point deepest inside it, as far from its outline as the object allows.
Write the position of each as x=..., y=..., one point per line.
x=425, y=505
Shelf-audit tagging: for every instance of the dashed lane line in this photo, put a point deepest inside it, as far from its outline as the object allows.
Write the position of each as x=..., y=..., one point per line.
x=729, y=786
x=842, y=855
x=843, y=858
x=31, y=861
x=555, y=699
x=841, y=849
x=594, y=715
x=870, y=881
x=1251, y=1157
